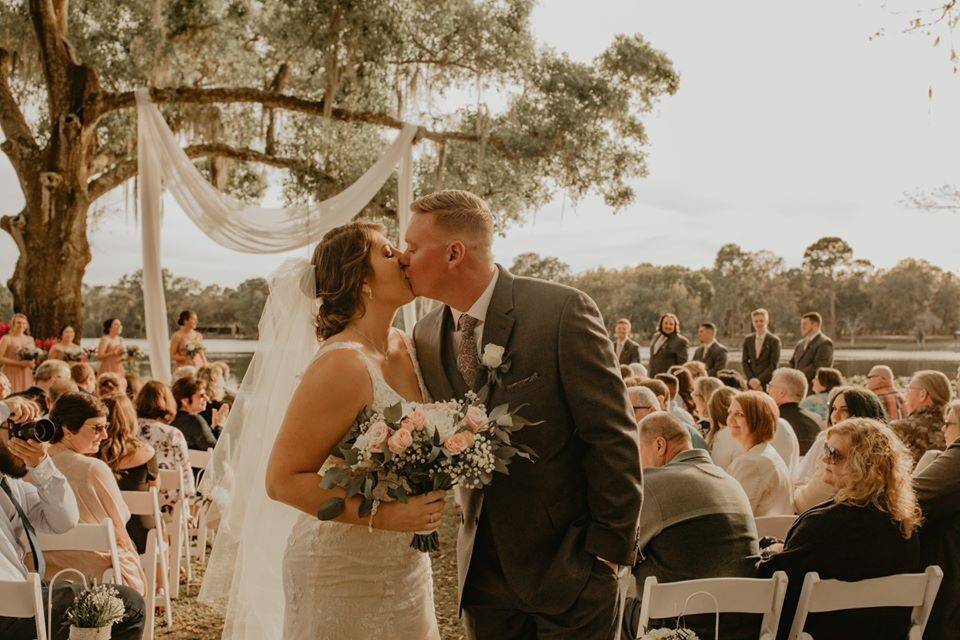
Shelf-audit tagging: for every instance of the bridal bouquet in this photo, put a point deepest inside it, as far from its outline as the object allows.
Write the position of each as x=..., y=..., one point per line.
x=135, y=353
x=193, y=349
x=410, y=449
x=74, y=355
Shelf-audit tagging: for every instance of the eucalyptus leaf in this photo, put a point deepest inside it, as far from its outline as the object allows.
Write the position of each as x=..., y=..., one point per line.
x=331, y=509
x=393, y=413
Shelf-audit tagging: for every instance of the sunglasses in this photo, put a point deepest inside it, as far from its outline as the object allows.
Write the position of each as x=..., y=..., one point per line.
x=831, y=455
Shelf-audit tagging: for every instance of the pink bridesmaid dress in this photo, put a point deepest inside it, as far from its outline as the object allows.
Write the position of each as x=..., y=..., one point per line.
x=21, y=378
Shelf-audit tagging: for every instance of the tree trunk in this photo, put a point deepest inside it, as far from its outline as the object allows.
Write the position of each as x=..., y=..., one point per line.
x=54, y=253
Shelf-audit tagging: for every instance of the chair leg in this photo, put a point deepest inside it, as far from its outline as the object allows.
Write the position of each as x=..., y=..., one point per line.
x=165, y=583
x=187, y=551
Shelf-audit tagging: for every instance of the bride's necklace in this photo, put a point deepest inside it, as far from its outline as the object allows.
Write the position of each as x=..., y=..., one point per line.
x=370, y=342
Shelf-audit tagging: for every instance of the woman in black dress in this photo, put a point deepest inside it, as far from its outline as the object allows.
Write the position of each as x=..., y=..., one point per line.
x=668, y=347
x=133, y=461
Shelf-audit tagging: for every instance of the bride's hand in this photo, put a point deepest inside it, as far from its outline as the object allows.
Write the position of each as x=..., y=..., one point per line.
x=420, y=513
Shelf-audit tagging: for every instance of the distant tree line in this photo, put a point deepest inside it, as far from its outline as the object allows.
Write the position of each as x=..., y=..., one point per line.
x=854, y=297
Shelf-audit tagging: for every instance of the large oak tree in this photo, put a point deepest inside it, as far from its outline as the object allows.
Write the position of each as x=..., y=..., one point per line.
x=309, y=89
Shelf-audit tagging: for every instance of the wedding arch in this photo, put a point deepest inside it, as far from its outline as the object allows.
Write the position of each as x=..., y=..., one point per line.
x=163, y=165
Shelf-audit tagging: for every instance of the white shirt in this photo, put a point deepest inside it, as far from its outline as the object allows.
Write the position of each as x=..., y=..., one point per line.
x=765, y=479
x=726, y=449
x=758, y=344
x=477, y=311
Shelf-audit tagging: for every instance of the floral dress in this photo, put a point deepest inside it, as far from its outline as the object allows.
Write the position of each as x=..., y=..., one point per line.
x=171, y=448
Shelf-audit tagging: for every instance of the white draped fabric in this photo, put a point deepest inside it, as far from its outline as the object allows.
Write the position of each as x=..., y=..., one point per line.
x=234, y=224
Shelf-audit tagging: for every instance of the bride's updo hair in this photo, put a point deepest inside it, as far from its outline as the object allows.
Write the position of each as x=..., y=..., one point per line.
x=341, y=263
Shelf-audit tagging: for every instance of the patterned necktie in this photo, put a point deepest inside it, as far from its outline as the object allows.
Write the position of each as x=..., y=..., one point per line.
x=467, y=357
x=35, y=549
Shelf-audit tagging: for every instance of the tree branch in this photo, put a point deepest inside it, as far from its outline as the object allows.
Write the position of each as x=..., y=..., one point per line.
x=123, y=171
x=12, y=122
x=53, y=53
x=182, y=95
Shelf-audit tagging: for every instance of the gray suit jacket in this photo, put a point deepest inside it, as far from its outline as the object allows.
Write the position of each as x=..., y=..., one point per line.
x=819, y=353
x=714, y=358
x=548, y=519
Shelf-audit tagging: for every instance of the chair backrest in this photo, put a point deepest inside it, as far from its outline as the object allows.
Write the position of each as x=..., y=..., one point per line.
x=21, y=598
x=143, y=503
x=200, y=459
x=100, y=538
x=171, y=480
x=733, y=595
x=774, y=526
x=916, y=590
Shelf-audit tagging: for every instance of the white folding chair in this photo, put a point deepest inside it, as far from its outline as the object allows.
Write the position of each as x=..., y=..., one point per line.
x=147, y=503
x=917, y=590
x=178, y=531
x=23, y=599
x=149, y=559
x=733, y=595
x=99, y=538
x=774, y=526
x=200, y=460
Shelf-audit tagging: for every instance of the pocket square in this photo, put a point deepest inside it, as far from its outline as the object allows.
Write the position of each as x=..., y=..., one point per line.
x=524, y=381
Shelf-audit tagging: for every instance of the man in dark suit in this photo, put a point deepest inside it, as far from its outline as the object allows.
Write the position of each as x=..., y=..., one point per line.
x=710, y=352
x=761, y=352
x=815, y=350
x=787, y=388
x=541, y=552
x=626, y=350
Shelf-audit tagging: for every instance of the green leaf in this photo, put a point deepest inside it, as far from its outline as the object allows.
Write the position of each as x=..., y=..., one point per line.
x=334, y=477
x=393, y=413
x=331, y=509
x=354, y=485
x=505, y=453
x=499, y=410
x=366, y=507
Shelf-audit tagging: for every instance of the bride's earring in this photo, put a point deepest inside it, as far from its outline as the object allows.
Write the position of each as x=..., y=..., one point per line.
x=369, y=292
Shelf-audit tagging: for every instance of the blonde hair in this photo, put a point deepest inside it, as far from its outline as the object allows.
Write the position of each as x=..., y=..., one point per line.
x=877, y=471
x=952, y=410
x=213, y=376
x=935, y=383
x=760, y=312
x=696, y=369
x=459, y=212
x=760, y=413
x=16, y=316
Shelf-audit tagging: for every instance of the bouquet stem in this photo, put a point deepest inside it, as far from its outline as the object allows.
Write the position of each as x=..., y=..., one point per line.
x=426, y=542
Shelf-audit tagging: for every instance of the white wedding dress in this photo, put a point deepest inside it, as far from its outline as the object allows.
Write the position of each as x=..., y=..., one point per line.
x=344, y=581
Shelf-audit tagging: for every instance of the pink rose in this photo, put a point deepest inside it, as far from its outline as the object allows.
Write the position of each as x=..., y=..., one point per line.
x=459, y=442
x=406, y=425
x=475, y=417
x=400, y=440
x=377, y=433
x=418, y=419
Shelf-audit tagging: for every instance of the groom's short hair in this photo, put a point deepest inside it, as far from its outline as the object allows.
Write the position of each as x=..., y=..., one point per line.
x=459, y=211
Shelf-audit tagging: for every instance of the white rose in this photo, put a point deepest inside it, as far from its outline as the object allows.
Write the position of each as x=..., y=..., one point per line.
x=492, y=356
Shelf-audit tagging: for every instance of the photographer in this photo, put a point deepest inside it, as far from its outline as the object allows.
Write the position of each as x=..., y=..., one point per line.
x=36, y=497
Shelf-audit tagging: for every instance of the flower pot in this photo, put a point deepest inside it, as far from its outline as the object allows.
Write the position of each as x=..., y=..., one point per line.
x=90, y=633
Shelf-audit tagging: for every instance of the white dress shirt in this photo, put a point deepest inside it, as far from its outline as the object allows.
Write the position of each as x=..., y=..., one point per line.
x=50, y=505
x=477, y=311
x=765, y=479
x=758, y=344
x=725, y=449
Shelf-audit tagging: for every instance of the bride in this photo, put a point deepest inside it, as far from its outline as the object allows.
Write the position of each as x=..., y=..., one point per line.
x=353, y=577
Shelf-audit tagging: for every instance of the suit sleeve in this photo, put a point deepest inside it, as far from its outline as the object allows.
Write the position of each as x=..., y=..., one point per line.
x=719, y=362
x=793, y=357
x=938, y=485
x=822, y=358
x=681, y=351
x=597, y=399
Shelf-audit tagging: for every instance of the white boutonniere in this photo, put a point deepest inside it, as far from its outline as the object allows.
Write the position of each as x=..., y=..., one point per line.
x=495, y=363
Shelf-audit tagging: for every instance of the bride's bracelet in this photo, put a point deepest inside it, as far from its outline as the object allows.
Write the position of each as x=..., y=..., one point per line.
x=373, y=512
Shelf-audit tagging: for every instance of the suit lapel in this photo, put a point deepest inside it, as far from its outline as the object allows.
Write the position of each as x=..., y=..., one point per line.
x=498, y=325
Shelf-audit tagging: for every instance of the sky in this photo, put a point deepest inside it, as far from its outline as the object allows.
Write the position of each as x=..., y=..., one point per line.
x=790, y=124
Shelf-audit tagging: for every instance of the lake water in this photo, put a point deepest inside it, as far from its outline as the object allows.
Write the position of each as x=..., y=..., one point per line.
x=238, y=353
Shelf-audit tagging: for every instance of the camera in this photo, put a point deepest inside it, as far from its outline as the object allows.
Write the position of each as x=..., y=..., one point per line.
x=42, y=430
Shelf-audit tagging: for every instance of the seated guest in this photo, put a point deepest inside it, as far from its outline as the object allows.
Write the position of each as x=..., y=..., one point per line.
x=695, y=523
x=759, y=468
x=83, y=426
x=645, y=402
x=625, y=371
x=710, y=352
x=212, y=376
x=110, y=383
x=867, y=531
x=761, y=352
x=723, y=448
x=186, y=371
x=33, y=488
x=880, y=381
x=626, y=349
x=938, y=491
x=787, y=388
x=6, y=388
x=815, y=350
x=46, y=373
x=696, y=369
x=59, y=388
x=927, y=394
x=732, y=379
x=673, y=404
x=845, y=402
x=684, y=395
x=191, y=397
x=637, y=370
x=156, y=408
x=134, y=384
x=133, y=462
x=668, y=347
x=825, y=380
x=703, y=388
x=85, y=377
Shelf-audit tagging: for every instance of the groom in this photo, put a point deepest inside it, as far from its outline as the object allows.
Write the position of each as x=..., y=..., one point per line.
x=540, y=551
